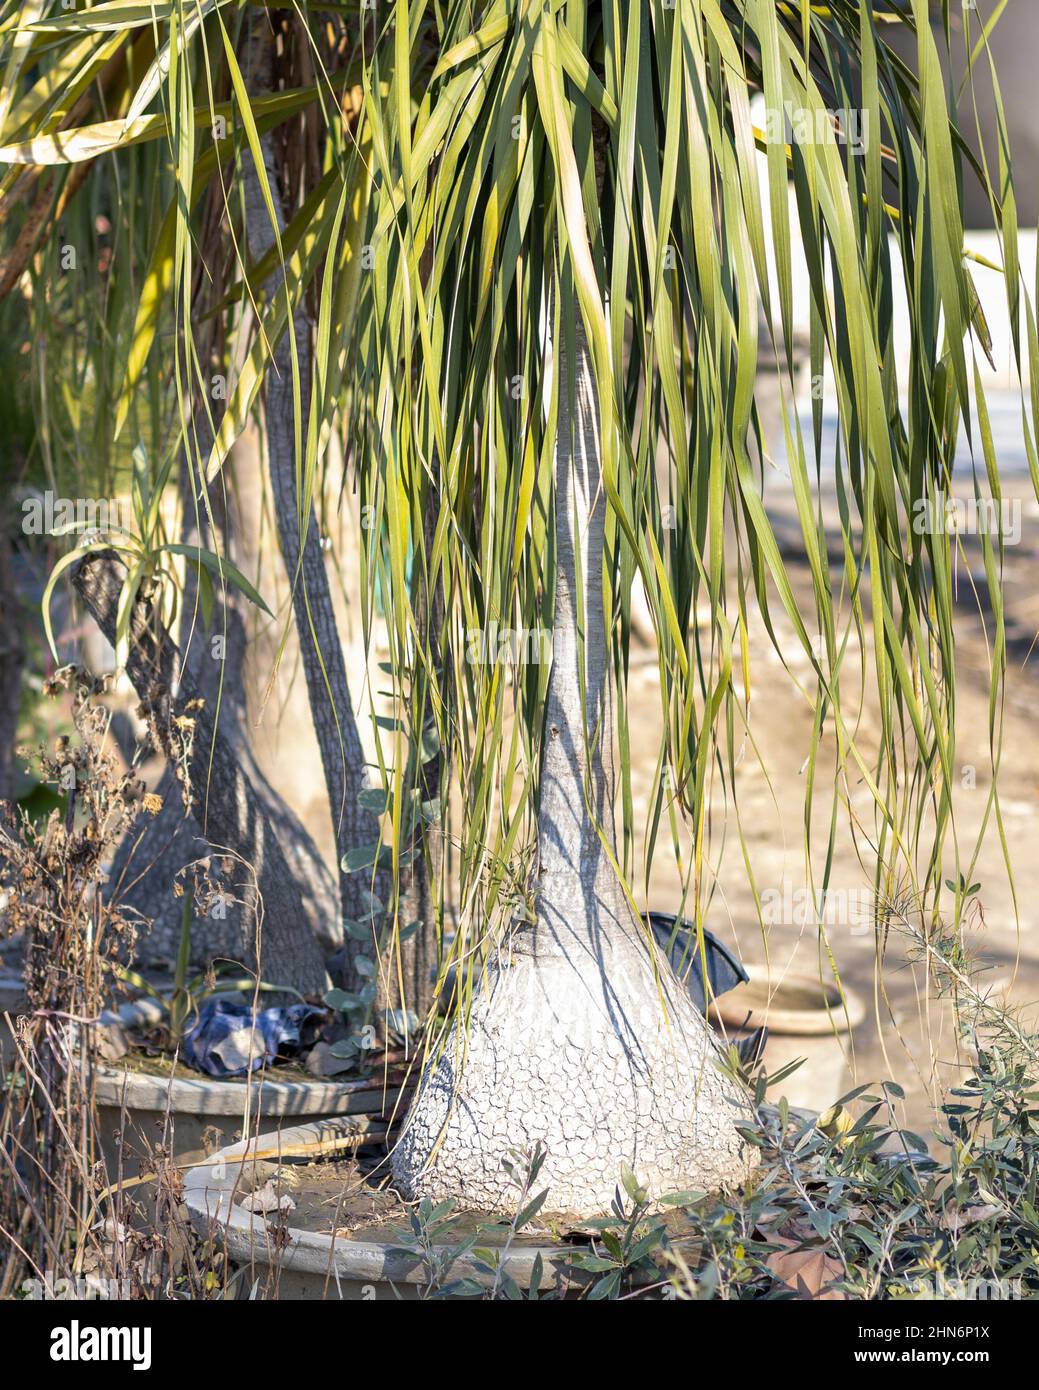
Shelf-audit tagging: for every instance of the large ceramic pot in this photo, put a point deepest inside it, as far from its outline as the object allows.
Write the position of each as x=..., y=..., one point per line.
x=304, y=1264
x=677, y=938
x=806, y=1018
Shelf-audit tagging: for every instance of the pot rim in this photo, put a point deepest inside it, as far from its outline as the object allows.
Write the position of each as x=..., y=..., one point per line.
x=763, y=994
x=209, y=1195
x=256, y=1094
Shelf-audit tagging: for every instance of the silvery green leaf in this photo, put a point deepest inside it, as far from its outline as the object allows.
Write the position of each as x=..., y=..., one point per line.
x=342, y=1000
x=360, y=857
x=401, y=1020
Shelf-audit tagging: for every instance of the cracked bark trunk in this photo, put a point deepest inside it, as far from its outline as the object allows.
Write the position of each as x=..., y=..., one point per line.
x=342, y=755
x=225, y=801
x=577, y=766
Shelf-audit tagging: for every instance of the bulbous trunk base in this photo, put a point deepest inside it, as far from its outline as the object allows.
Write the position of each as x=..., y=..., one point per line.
x=575, y=1051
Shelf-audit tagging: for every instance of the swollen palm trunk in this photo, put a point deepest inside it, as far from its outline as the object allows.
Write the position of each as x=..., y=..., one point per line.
x=581, y=1039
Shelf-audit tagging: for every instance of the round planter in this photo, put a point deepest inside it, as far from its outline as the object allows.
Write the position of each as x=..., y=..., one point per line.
x=136, y=1111
x=309, y=1265
x=676, y=937
x=806, y=1018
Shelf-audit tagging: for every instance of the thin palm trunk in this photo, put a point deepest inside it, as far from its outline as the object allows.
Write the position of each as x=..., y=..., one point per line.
x=577, y=766
x=342, y=755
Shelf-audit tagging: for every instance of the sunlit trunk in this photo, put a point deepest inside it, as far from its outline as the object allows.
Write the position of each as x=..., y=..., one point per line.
x=577, y=772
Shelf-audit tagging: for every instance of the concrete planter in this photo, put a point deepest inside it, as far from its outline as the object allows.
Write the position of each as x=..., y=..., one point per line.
x=805, y=1018
x=309, y=1265
x=137, y=1111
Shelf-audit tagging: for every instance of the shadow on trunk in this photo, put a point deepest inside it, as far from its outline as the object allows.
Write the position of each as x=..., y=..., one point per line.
x=226, y=800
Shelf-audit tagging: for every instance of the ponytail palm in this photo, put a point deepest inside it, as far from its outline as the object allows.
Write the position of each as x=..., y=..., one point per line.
x=182, y=187
x=562, y=352
x=536, y=244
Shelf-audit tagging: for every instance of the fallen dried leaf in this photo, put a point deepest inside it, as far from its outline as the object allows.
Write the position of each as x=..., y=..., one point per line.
x=808, y=1273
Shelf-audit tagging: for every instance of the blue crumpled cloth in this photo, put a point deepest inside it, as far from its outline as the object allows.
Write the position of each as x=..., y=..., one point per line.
x=229, y=1040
